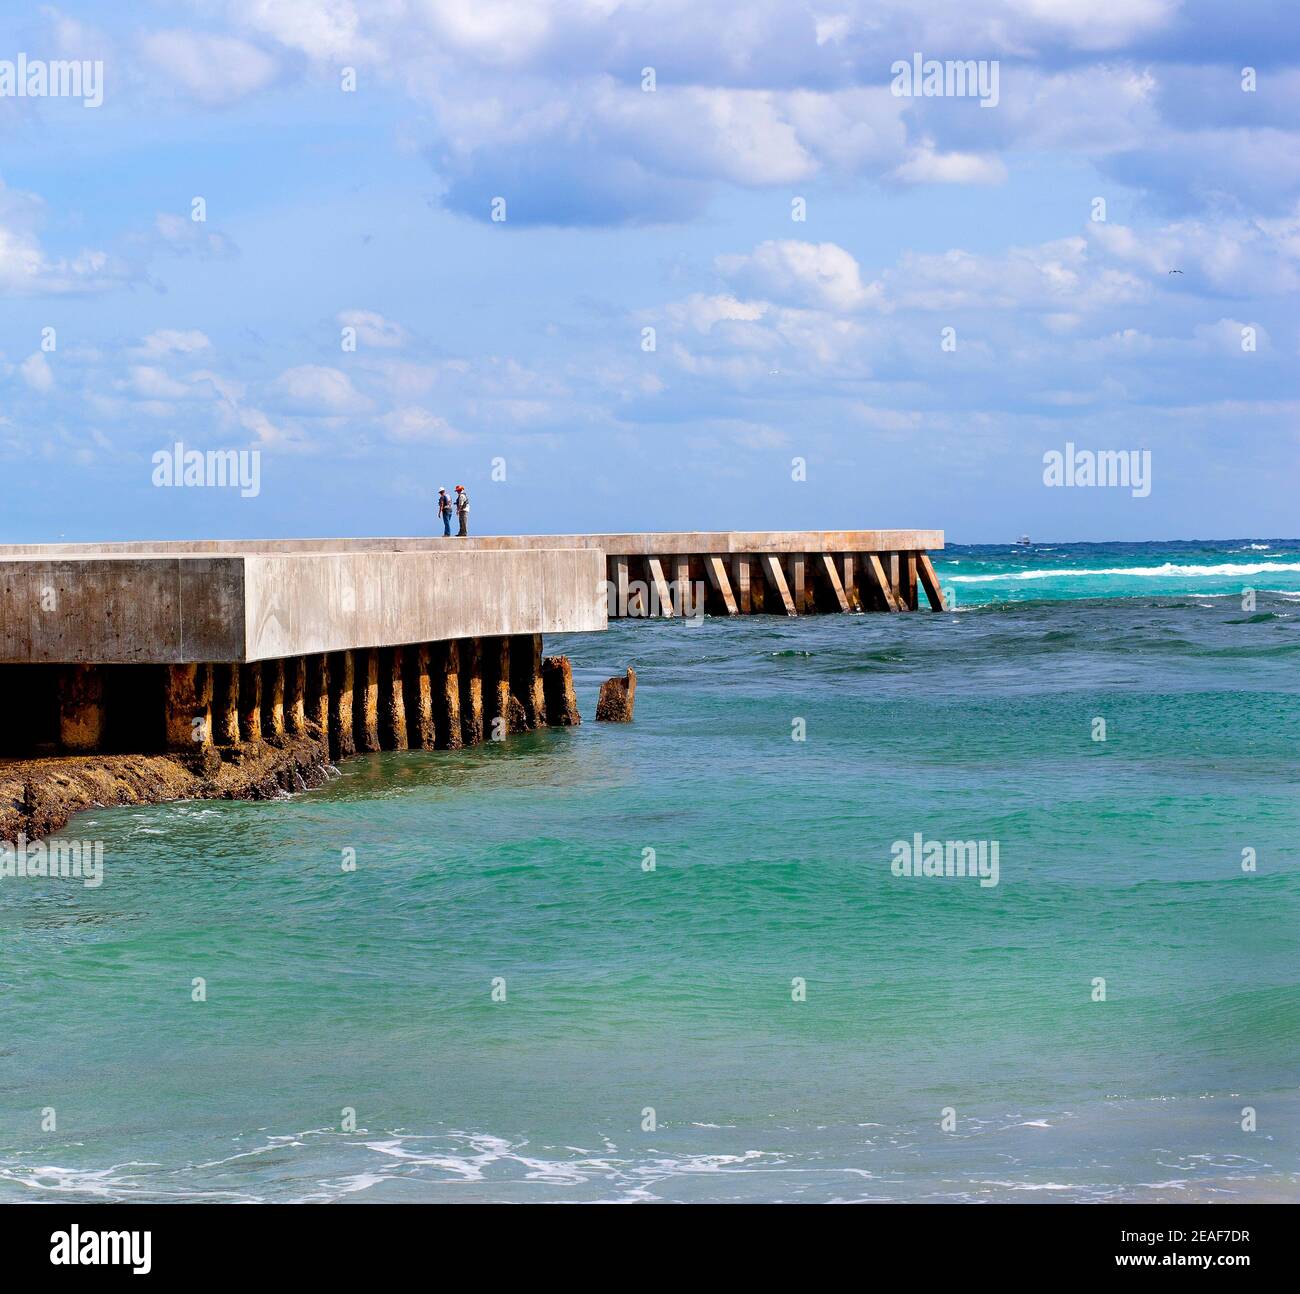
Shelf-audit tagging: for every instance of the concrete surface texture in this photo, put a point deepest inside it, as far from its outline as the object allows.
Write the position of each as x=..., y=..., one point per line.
x=137, y=609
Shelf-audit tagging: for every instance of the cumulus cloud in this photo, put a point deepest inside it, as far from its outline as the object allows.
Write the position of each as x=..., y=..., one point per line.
x=1232, y=257
x=170, y=341
x=1090, y=26
x=1057, y=275
x=27, y=270
x=700, y=312
x=542, y=102
x=321, y=29
x=372, y=328
x=926, y=166
x=184, y=236
x=153, y=383
x=1240, y=170
x=535, y=102
x=214, y=69
x=415, y=424
x=319, y=390
x=821, y=275
x=36, y=372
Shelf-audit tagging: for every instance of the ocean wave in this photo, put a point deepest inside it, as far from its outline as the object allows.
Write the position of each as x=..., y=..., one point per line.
x=1169, y=569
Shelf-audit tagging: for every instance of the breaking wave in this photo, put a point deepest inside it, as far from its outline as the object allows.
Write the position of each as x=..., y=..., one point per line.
x=1166, y=570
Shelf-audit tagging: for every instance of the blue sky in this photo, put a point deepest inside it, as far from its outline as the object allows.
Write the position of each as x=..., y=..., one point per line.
x=521, y=341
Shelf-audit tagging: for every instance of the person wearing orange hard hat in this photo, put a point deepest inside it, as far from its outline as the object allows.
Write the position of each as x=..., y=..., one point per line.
x=462, y=511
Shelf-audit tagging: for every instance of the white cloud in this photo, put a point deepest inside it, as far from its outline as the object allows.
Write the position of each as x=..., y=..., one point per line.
x=182, y=234
x=316, y=389
x=170, y=341
x=372, y=328
x=1059, y=276
x=503, y=33
x=321, y=29
x=416, y=424
x=1237, y=257
x=25, y=269
x=152, y=383
x=926, y=166
x=267, y=432
x=700, y=312
x=819, y=275
x=1092, y=26
x=35, y=371
x=544, y=96
x=1228, y=336
x=214, y=69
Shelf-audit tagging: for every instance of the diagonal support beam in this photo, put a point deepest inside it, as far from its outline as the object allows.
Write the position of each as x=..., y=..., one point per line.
x=717, y=573
x=851, y=576
x=617, y=574
x=882, y=580
x=827, y=563
x=661, y=600
x=907, y=581
x=776, y=578
x=929, y=581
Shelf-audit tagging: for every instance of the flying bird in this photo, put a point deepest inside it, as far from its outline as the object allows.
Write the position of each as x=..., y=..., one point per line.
x=1175, y=271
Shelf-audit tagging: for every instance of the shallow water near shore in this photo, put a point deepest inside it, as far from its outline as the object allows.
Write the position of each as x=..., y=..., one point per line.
x=629, y=990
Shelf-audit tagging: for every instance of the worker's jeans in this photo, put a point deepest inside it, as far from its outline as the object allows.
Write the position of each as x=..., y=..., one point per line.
x=446, y=523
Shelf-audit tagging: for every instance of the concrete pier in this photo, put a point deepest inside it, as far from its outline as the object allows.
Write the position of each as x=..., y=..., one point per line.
x=526, y=677
x=444, y=680
x=780, y=573
x=81, y=708
x=318, y=692
x=225, y=704
x=250, y=702
x=421, y=730
x=470, y=677
x=273, y=728
x=295, y=696
x=365, y=701
x=557, y=686
x=341, y=674
x=378, y=644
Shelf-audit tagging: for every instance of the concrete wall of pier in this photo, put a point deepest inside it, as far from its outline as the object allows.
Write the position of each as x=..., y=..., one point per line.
x=129, y=609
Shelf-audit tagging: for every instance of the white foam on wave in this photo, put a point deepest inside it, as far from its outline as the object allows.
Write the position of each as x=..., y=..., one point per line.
x=1168, y=570
x=483, y=1158
x=121, y=1182
x=1034, y=1186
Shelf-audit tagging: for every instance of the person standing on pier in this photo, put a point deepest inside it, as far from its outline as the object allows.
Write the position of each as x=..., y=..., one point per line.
x=462, y=510
x=444, y=510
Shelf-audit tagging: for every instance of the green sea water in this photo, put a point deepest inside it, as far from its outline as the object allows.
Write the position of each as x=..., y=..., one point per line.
x=652, y=1044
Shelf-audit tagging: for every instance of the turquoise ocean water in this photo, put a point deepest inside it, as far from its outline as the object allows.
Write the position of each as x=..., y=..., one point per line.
x=672, y=990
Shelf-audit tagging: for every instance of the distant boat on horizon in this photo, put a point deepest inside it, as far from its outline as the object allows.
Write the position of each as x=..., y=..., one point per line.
x=1023, y=541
